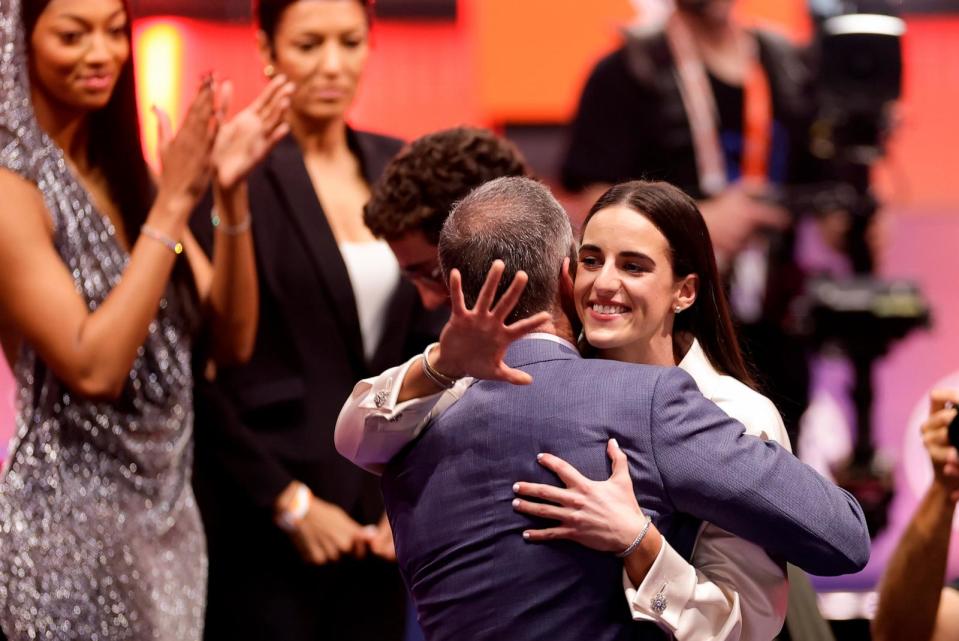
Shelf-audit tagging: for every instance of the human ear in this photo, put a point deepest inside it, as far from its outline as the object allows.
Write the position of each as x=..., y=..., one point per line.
x=686, y=292
x=266, y=52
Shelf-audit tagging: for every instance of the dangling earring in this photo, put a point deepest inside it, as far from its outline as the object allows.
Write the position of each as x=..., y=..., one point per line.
x=269, y=71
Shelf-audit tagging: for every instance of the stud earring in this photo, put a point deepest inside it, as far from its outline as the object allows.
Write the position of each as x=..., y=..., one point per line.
x=269, y=71
x=677, y=309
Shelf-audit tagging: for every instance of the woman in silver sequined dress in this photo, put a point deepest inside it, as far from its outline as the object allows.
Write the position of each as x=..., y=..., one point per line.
x=100, y=306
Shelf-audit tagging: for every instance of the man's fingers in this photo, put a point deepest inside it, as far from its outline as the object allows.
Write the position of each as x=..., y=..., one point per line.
x=566, y=472
x=545, y=492
x=938, y=399
x=485, y=299
x=542, y=510
x=935, y=428
x=526, y=325
x=512, y=376
x=510, y=297
x=457, y=302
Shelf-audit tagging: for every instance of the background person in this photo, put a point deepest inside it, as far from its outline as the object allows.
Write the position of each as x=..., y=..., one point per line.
x=418, y=189
x=103, y=293
x=723, y=113
x=289, y=522
x=912, y=602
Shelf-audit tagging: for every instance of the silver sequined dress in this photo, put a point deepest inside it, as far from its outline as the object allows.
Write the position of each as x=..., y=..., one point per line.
x=100, y=537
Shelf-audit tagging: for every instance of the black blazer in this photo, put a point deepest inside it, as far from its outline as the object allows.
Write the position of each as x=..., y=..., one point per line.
x=277, y=418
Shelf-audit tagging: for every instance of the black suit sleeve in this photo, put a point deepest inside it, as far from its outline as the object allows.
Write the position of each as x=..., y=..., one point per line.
x=233, y=447
x=606, y=135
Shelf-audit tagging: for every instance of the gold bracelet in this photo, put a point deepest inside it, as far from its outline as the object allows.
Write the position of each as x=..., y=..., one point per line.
x=173, y=245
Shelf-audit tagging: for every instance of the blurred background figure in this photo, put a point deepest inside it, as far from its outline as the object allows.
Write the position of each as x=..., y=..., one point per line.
x=299, y=548
x=723, y=112
x=104, y=294
x=418, y=189
x=912, y=602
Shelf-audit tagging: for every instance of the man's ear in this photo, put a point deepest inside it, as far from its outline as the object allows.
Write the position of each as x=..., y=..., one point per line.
x=566, y=279
x=566, y=301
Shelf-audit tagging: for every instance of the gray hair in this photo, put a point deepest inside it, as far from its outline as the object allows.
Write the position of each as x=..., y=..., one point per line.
x=518, y=221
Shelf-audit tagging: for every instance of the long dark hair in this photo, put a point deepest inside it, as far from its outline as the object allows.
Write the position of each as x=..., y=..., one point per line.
x=114, y=146
x=677, y=217
x=269, y=12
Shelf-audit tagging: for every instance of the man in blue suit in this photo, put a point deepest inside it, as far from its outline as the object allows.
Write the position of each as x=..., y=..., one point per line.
x=449, y=494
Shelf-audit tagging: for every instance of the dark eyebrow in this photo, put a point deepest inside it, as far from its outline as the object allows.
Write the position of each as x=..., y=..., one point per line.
x=86, y=23
x=636, y=255
x=625, y=254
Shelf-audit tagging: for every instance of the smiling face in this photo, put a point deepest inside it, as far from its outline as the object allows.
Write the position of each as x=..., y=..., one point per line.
x=625, y=289
x=78, y=50
x=322, y=46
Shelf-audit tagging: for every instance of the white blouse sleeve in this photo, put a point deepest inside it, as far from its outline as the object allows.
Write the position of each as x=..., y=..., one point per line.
x=731, y=591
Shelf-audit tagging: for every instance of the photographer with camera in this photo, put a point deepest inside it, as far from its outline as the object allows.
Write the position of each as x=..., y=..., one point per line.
x=913, y=604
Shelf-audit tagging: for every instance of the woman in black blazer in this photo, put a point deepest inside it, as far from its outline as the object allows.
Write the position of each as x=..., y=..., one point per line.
x=291, y=525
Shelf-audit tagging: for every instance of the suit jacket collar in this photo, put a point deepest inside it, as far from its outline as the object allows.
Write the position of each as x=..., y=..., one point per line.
x=373, y=152
x=529, y=350
x=287, y=170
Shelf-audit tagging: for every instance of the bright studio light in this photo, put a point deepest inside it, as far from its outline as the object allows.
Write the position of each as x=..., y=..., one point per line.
x=159, y=62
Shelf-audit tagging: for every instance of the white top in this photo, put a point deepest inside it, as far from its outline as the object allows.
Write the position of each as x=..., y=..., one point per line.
x=731, y=591
x=374, y=274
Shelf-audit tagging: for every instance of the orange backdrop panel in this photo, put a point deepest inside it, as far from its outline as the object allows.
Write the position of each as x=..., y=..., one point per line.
x=534, y=55
x=922, y=165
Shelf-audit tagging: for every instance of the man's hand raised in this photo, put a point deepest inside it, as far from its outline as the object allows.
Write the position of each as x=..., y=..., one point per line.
x=475, y=340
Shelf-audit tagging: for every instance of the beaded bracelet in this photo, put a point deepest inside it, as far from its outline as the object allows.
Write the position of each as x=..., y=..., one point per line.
x=637, y=541
x=230, y=230
x=440, y=380
x=173, y=245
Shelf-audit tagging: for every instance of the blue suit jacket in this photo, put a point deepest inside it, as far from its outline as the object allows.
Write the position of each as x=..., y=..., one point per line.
x=459, y=542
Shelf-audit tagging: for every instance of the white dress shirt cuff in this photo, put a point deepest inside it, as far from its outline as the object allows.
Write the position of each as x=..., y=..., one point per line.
x=664, y=593
x=381, y=401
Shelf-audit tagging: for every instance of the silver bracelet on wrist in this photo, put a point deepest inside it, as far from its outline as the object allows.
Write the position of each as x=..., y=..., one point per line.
x=637, y=541
x=172, y=244
x=230, y=230
x=438, y=379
